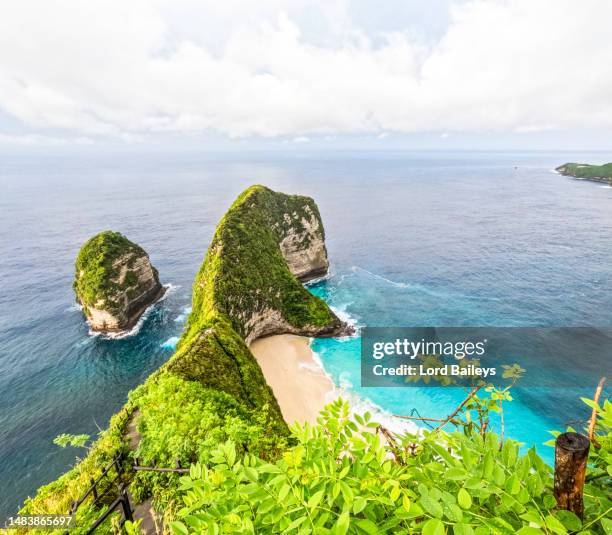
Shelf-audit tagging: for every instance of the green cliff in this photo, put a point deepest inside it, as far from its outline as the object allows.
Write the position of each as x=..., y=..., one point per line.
x=598, y=173
x=212, y=388
x=114, y=282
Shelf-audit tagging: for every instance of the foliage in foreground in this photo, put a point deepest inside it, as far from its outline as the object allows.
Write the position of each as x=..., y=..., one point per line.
x=342, y=478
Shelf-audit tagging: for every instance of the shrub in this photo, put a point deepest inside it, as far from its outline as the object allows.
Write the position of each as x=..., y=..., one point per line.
x=183, y=421
x=341, y=478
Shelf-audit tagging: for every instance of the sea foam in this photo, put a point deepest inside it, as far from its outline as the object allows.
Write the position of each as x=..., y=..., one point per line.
x=360, y=404
x=170, y=343
x=182, y=317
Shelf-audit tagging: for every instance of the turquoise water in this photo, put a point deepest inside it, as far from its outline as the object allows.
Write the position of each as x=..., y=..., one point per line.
x=453, y=239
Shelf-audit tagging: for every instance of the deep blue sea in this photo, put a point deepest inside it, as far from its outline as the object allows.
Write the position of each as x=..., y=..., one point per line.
x=435, y=239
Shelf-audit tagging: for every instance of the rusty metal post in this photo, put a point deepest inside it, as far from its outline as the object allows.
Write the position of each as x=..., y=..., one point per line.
x=125, y=504
x=571, y=454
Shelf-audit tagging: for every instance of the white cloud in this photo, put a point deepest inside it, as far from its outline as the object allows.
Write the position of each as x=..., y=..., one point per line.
x=297, y=68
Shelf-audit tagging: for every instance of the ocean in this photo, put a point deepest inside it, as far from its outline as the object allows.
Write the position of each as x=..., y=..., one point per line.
x=414, y=239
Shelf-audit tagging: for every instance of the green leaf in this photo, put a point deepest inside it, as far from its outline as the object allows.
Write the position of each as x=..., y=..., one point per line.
x=456, y=474
x=488, y=464
x=528, y=530
x=433, y=527
x=513, y=485
x=453, y=512
x=569, y=520
x=342, y=524
x=368, y=526
x=269, y=469
x=499, y=525
x=463, y=529
x=250, y=473
x=179, y=528
x=296, y=523
x=464, y=499
x=76, y=441
x=532, y=517
x=431, y=506
x=283, y=492
x=592, y=404
x=555, y=525
x=499, y=476
x=315, y=499
x=359, y=504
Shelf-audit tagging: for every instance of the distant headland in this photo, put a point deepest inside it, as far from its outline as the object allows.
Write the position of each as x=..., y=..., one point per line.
x=597, y=173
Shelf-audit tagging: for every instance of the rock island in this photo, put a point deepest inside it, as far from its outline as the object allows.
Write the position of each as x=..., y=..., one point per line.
x=114, y=282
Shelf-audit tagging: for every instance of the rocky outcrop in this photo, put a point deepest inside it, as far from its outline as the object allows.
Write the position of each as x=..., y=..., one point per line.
x=114, y=282
x=264, y=247
x=303, y=242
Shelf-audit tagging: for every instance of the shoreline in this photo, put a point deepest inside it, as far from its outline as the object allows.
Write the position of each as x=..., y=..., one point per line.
x=297, y=379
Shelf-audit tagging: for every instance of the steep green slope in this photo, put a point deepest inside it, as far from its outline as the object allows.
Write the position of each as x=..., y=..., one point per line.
x=212, y=386
x=245, y=277
x=599, y=173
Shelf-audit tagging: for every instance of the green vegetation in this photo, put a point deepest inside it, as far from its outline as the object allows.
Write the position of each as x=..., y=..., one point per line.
x=341, y=478
x=601, y=173
x=183, y=421
x=96, y=277
x=212, y=389
x=76, y=441
x=57, y=496
x=210, y=407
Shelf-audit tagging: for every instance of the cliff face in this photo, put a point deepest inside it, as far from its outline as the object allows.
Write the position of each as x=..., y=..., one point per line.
x=115, y=282
x=302, y=241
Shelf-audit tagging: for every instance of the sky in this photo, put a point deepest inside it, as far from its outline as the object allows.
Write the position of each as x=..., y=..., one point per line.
x=331, y=74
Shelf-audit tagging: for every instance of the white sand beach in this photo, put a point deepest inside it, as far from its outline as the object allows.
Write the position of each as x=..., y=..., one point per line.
x=299, y=383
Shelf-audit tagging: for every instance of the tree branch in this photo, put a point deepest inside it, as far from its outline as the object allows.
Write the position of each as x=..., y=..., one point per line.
x=461, y=405
x=593, y=420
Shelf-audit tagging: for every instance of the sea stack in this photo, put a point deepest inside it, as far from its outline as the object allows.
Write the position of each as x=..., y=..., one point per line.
x=114, y=282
